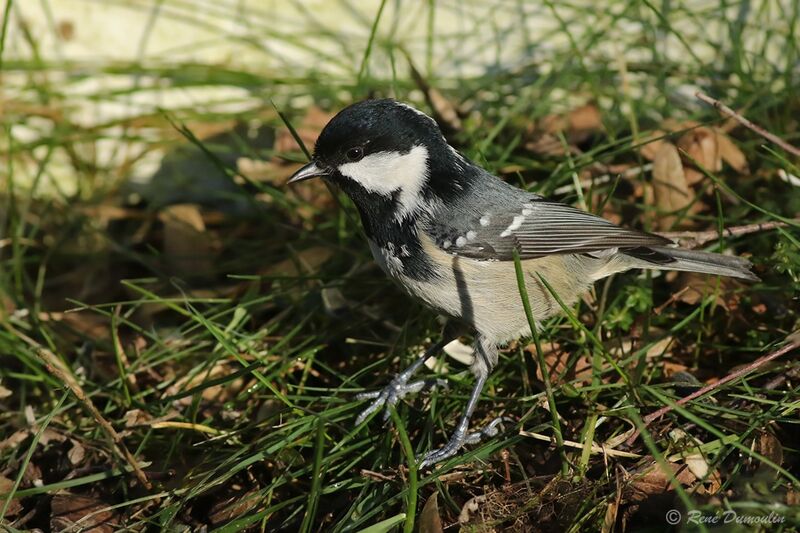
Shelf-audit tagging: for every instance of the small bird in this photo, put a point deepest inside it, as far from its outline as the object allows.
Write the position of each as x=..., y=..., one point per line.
x=447, y=231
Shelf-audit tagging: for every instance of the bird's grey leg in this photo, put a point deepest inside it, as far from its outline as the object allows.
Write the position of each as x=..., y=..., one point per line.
x=399, y=387
x=485, y=358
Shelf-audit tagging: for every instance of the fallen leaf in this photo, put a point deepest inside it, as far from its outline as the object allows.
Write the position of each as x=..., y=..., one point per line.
x=137, y=417
x=584, y=120
x=470, y=507
x=14, y=440
x=88, y=324
x=4, y=392
x=650, y=145
x=7, y=305
x=553, y=123
x=697, y=464
x=731, y=154
x=544, y=137
x=32, y=475
x=77, y=453
x=304, y=262
x=670, y=187
x=429, y=519
x=15, y=506
x=82, y=513
x=576, y=125
x=234, y=507
x=215, y=393
x=770, y=447
x=702, y=145
x=696, y=287
x=557, y=360
x=546, y=144
x=610, y=517
x=653, y=481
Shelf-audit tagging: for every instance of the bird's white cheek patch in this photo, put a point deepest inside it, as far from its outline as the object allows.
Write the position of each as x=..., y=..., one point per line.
x=387, y=172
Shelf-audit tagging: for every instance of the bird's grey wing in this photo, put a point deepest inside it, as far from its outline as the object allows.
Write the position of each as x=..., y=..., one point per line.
x=535, y=227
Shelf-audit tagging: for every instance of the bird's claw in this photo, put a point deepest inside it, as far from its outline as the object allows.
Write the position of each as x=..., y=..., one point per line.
x=488, y=431
x=395, y=391
x=459, y=439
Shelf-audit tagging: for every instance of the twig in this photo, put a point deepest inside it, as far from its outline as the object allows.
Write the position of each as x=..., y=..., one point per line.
x=693, y=239
x=595, y=448
x=794, y=342
x=56, y=367
x=725, y=110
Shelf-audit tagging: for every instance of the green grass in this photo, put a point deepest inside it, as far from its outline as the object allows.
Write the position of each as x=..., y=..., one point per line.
x=232, y=373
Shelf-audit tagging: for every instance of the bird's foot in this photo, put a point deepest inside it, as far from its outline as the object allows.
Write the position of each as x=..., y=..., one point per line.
x=395, y=391
x=459, y=439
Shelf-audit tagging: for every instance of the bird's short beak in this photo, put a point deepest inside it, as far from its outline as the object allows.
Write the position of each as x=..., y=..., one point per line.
x=311, y=170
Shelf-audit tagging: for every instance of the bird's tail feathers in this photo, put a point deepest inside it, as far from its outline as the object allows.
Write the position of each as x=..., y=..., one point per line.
x=696, y=261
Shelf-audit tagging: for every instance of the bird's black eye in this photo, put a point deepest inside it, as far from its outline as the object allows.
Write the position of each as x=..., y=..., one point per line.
x=355, y=154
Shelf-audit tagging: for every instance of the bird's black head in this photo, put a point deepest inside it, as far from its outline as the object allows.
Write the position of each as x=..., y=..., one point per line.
x=386, y=152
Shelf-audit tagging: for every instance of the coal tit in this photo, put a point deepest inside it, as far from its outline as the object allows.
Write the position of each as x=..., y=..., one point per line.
x=447, y=230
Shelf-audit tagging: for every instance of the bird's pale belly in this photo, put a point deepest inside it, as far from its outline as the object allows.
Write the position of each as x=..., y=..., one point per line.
x=485, y=293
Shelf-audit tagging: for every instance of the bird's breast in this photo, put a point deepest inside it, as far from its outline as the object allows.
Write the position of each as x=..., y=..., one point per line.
x=485, y=294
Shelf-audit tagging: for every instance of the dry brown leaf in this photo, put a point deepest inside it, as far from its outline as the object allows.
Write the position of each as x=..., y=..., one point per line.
x=696, y=287
x=654, y=481
x=32, y=475
x=234, y=507
x=429, y=519
x=82, y=513
x=14, y=439
x=702, y=145
x=697, y=464
x=305, y=261
x=557, y=359
x=137, y=417
x=553, y=123
x=15, y=506
x=651, y=144
x=50, y=435
x=89, y=324
x=731, y=154
x=671, y=368
x=670, y=187
x=7, y=305
x=585, y=119
x=577, y=125
x=472, y=506
x=671, y=125
x=770, y=447
x=546, y=144
x=610, y=517
x=216, y=393
x=188, y=248
x=4, y=392
x=77, y=453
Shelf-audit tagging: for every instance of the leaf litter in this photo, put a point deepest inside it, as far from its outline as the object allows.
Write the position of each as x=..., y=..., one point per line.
x=191, y=239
